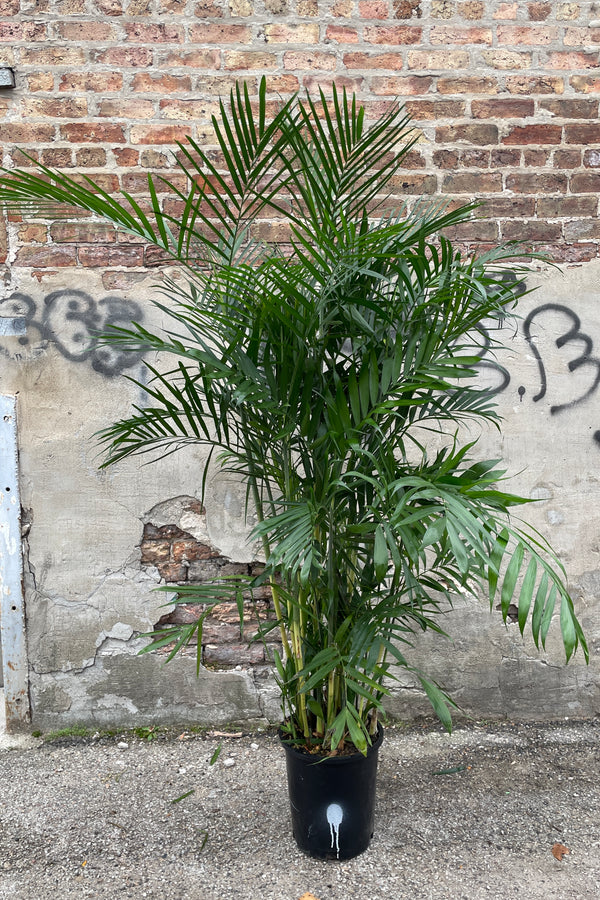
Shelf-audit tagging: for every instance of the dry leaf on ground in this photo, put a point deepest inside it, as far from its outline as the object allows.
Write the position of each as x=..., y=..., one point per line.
x=559, y=850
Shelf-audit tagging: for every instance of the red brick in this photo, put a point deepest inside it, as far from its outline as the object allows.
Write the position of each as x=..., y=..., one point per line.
x=534, y=134
x=405, y=9
x=509, y=208
x=507, y=11
x=154, y=83
x=52, y=56
x=573, y=253
x=106, y=181
x=143, y=33
x=502, y=156
x=582, y=230
x=137, y=182
x=40, y=81
x=82, y=233
x=572, y=61
x=591, y=159
x=341, y=34
x=207, y=9
x=46, y=257
x=109, y=7
x=352, y=84
x=15, y=133
x=530, y=35
x=90, y=157
x=536, y=182
x=467, y=85
x=536, y=157
x=526, y=84
x=31, y=234
x=220, y=34
x=410, y=183
x=393, y=62
x=92, y=256
x=119, y=108
x=473, y=183
x=236, y=60
x=438, y=59
x=446, y=159
x=306, y=59
x=99, y=82
x=532, y=230
x=303, y=33
x=582, y=134
x=11, y=31
x=539, y=12
x=585, y=182
x=412, y=85
x=480, y=230
x=474, y=134
x=126, y=57
x=47, y=107
x=446, y=35
x=373, y=9
x=471, y=9
x=158, y=134
x=196, y=59
x=474, y=158
x=58, y=157
x=571, y=108
x=581, y=37
x=82, y=32
x=567, y=159
x=34, y=31
x=92, y=132
x=507, y=59
x=585, y=84
x=392, y=35
x=571, y=207
x=188, y=109
x=282, y=84
x=502, y=109
x=435, y=109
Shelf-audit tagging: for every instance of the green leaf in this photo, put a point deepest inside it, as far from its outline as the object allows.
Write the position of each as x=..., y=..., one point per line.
x=380, y=554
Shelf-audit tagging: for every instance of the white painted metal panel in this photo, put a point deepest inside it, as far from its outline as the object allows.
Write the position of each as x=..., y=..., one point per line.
x=12, y=611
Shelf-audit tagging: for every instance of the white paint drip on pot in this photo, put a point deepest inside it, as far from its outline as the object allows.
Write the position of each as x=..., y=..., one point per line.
x=335, y=814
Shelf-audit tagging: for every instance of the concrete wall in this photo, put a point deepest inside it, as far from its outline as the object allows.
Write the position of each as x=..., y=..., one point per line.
x=505, y=97
x=90, y=572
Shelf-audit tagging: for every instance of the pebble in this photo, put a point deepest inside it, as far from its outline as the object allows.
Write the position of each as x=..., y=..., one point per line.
x=229, y=762
x=122, y=745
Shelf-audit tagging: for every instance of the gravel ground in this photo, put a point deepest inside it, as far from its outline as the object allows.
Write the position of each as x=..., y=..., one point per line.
x=130, y=817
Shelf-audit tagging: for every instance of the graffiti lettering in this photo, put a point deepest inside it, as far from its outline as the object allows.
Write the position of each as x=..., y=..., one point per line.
x=572, y=335
x=71, y=320
x=580, y=359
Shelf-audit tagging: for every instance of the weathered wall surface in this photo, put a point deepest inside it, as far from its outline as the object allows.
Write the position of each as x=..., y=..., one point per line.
x=505, y=96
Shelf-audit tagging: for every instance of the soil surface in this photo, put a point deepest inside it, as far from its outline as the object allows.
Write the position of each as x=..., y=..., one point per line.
x=489, y=811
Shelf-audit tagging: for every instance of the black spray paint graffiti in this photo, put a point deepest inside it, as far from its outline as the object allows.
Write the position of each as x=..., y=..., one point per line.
x=71, y=321
x=580, y=357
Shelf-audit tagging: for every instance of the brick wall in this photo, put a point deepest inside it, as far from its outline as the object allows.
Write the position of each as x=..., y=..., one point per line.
x=505, y=94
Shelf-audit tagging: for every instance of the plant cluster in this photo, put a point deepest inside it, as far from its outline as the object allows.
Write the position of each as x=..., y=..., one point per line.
x=322, y=373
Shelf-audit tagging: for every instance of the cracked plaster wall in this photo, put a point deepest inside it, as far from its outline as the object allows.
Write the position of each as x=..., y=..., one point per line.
x=89, y=593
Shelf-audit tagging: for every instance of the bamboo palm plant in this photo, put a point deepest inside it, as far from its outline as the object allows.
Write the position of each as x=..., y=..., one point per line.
x=321, y=372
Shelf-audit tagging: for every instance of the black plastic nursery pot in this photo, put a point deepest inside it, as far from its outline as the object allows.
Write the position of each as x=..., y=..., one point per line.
x=332, y=800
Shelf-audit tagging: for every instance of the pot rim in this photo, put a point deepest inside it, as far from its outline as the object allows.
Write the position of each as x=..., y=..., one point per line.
x=332, y=760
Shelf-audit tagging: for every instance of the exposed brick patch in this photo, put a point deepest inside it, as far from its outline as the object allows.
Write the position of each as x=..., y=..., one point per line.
x=182, y=559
